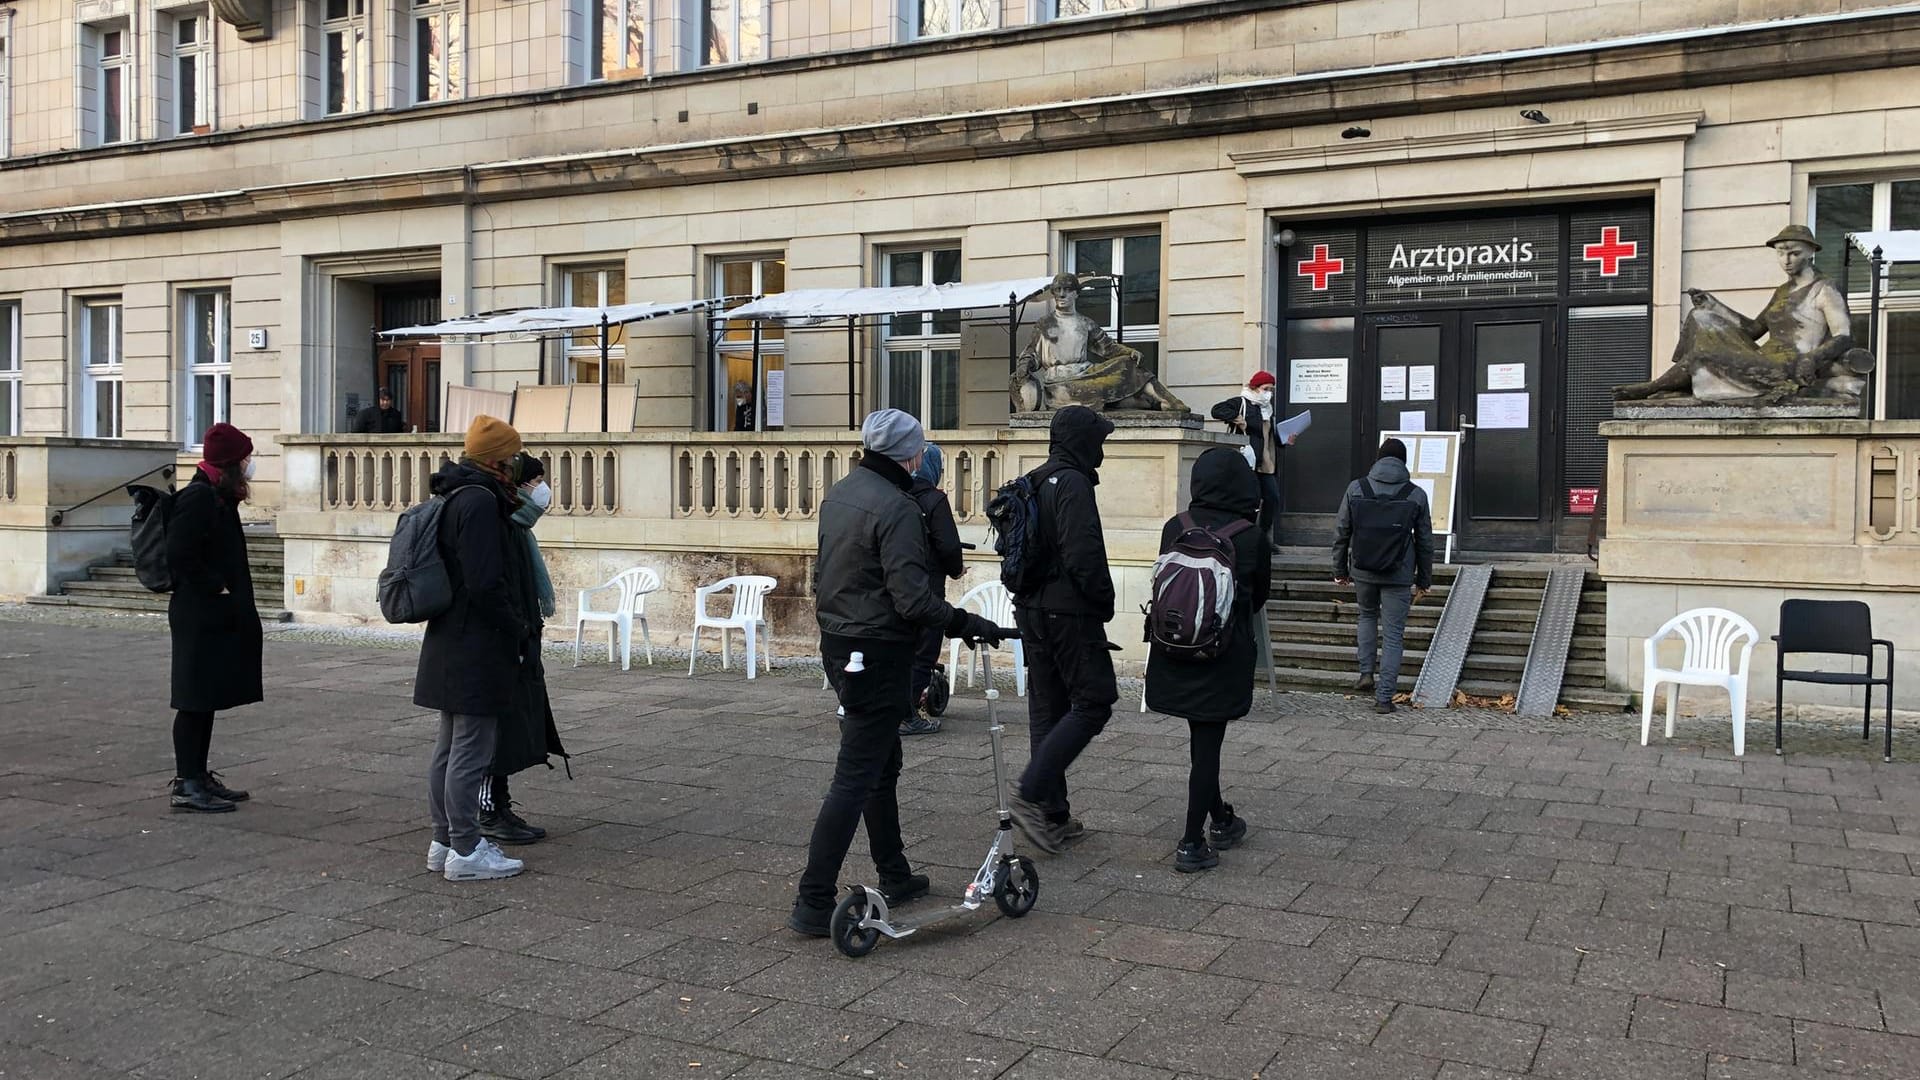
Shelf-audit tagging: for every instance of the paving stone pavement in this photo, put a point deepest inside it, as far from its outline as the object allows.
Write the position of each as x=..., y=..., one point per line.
x=1422, y=896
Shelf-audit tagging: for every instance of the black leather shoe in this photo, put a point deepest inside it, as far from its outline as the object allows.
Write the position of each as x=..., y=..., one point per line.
x=190, y=796
x=900, y=890
x=809, y=920
x=222, y=791
x=497, y=827
x=538, y=832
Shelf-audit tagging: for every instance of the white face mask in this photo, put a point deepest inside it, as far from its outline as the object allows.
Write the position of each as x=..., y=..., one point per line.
x=1266, y=393
x=246, y=469
x=541, y=496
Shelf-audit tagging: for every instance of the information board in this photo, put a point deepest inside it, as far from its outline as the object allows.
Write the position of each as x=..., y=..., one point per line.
x=1433, y=461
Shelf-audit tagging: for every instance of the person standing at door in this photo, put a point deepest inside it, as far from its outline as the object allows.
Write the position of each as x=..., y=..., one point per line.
x=1251, y=414
x=383, y=419
x=215, y=628
x=1383, y=547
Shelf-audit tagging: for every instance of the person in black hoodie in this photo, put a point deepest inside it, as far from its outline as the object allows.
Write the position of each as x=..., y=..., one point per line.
x=215, y=628
x=1210, y=693
x=1070, y=683
x=949, y=561
x=472, y=657
x=1384, y=596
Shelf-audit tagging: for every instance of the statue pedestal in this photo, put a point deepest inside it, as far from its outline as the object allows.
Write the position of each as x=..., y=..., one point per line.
x=1693, y=409
x=1122, y=419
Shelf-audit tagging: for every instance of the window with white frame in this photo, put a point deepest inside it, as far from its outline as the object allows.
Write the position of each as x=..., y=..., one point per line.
x=107, y=84
x=595, y=285
x=1075, y=9
x=1875, y=206
x=1128, y=304
x=10, y=367
x=743, y=402
x=439, y=50
x=932, y=18
x=616, y=37
x=191, y=72
x=920, y=367
x=735, y=31
x=346, y=57
x=101, y=372
x=206, y=362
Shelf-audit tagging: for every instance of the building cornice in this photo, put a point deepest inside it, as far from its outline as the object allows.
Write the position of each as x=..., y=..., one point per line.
x=1786, y=50
x=1491, y=142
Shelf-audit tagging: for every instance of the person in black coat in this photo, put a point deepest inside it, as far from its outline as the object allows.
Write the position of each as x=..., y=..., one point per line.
x=214, y=625
x=1070, y=683
x=473, y=657
x=1252, y=414
x=381, y=420
x=1210, y=693
x=949, y=561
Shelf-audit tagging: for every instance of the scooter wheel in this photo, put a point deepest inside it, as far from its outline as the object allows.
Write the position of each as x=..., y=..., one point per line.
x=848, y=936
x=937, y=693
x=1018, y=888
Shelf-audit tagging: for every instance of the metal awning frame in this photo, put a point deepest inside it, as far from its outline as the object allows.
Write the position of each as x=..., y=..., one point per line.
x=1880, y=268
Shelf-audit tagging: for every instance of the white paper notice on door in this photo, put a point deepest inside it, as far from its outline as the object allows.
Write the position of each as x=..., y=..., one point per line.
x=1321, y=381
x=776, y=398
x=1413, y=421
x=1393, y=384
x=1497, y=411
x=1506, y=376
x=1420, y=383
x=1431, y=456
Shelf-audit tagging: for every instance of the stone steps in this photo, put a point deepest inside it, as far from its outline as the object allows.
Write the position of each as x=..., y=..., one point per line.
x=113, y=585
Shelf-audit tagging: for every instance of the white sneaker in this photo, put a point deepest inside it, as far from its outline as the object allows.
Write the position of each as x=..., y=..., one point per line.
x=487, y=862
x=437, y=853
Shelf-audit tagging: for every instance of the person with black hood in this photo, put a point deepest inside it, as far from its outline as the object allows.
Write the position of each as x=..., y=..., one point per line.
x=1210, y=693
x=1383, y=547
x=873, y=593
x=1070, y=683
x=473, y=656
x=949, y=561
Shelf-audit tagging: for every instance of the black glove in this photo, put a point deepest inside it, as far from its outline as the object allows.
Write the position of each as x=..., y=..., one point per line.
x=979, y=630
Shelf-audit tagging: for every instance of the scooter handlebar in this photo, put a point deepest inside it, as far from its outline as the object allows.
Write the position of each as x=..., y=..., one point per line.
x=1003, y=633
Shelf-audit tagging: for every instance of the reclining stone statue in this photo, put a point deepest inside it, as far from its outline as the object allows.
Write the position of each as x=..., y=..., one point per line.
x=1808, y=352
x=1072, y=360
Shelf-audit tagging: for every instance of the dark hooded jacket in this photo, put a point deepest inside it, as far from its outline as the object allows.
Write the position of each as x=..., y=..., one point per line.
x=1221, y=689
x=216, y=635
x=471, y=657
x=1389, y=478
x=873, y=576
x=1079, y=581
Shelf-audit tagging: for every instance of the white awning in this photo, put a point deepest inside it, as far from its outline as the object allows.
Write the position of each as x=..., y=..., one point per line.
x=898, y=300
x=542, y=322
x=1896, y=245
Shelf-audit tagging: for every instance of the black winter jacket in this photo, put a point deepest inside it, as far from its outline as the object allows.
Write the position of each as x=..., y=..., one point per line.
x=216, y=636
x=1079, y=581
x=943, y=534
x=1238, y=408
x=873, y=575
x=1224, y=491
x=471, y=657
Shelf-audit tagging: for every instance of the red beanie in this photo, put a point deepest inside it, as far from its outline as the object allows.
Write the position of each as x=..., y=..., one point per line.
x=1260, y=379
x=225, y=444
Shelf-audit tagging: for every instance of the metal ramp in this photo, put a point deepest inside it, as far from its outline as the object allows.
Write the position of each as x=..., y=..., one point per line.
x=1447, y=655
x=1552, y=636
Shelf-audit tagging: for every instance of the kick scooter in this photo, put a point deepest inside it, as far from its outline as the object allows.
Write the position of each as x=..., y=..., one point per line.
x=862, y=915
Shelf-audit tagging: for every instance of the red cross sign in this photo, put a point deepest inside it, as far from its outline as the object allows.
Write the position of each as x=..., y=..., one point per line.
x=1320, y=267
x=1611, y=251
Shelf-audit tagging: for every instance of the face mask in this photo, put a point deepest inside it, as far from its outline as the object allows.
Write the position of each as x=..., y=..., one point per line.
x=246, y=469
x=1266, y=393
x=541, y=496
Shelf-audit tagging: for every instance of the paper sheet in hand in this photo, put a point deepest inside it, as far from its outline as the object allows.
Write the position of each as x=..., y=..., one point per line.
x=1293, y=425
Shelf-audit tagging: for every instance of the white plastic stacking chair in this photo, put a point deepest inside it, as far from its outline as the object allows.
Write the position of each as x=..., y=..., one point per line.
x=630, y=604
x=1718, y=647
x=748, y=616
x=991, y=601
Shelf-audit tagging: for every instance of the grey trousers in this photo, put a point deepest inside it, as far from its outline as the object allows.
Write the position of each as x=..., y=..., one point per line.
x=461, y=757
x=1389, y=633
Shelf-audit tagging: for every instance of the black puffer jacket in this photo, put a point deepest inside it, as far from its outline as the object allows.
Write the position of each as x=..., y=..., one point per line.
x=471, y=656
x=1224, y=491
x=1079, y=581
x=873, y=577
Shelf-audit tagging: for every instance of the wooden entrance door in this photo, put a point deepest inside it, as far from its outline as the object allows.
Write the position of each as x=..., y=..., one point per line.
x=410, y=371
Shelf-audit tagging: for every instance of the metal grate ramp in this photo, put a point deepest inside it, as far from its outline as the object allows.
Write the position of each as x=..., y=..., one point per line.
x=1552, y=636
x=1447, y=655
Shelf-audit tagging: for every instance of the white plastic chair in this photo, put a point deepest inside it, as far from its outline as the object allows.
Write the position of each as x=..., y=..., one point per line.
x=1712, y=638
x=631, y=604
x=748, y=616
x=992, y=602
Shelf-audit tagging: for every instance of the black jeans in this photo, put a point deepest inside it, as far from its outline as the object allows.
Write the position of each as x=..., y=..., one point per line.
x=1270, y=504
x=192, y=738
x=1070, y=696
x=868, y=769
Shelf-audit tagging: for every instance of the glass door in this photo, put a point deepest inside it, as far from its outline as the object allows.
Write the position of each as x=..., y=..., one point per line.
x=1506, y=404
x=1409, y=362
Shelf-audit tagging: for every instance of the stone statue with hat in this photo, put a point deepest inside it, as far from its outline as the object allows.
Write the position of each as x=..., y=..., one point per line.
x=1072, y=360
x=1808, y=352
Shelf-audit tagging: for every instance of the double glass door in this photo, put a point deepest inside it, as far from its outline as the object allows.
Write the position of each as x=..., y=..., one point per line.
x=1486, y=374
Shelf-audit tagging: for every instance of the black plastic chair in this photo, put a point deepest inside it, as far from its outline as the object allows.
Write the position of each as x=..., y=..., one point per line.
x=1835, y=628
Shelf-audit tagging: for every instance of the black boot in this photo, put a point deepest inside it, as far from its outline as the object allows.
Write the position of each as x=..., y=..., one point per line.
x=496, y=826
x=190, y=795
x=220, y=790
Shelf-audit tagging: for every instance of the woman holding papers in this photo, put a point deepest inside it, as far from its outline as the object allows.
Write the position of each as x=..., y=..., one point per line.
x=1251, y=414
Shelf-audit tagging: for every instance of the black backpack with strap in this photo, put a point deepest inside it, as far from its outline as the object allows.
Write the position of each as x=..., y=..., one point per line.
x=1382, y=529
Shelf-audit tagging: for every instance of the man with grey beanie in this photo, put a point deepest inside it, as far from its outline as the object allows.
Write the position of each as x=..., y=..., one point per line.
x=873, y=591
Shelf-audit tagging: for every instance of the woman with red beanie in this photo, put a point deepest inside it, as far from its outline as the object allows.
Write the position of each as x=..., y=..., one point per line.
x=216, y=629
x=1251, y=414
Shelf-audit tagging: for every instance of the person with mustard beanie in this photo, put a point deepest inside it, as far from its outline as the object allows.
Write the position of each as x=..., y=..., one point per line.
x=472, y=657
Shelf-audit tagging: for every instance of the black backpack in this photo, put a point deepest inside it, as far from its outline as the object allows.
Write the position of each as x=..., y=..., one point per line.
x=1382, y=529
x=415, y=586
x=152, y=511
x=1191, y=612
x=1018, y=537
